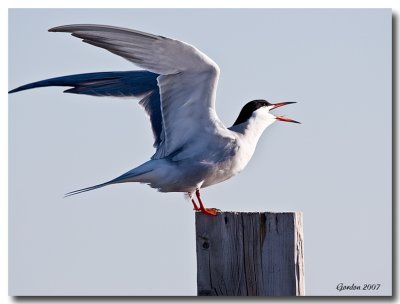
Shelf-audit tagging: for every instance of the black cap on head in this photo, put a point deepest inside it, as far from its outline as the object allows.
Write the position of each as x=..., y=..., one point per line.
x=249, y=108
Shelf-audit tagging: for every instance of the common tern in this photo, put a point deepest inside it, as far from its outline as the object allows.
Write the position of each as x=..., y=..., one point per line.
x=177, y=90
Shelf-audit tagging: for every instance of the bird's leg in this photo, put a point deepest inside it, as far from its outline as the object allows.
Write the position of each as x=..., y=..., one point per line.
x=209, y=211
x=195, y=207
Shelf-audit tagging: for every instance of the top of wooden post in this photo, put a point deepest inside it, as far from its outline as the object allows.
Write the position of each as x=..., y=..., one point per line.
x=250, y=253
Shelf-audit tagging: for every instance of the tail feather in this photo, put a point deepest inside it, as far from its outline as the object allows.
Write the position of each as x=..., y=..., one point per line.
x=87, y=189
x=130, y=176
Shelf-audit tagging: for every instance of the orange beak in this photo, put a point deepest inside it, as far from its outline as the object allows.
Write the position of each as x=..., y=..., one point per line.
x=282, y=118
x=281, y=104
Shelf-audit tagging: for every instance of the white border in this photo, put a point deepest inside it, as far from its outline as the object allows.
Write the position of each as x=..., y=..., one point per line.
x=6, y=4
x=202, y=4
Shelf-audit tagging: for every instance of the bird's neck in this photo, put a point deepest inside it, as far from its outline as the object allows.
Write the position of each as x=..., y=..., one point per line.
x=252, y=129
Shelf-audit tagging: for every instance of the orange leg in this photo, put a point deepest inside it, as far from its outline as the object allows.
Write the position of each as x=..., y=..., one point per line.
x=209, y=211
x=195, y=207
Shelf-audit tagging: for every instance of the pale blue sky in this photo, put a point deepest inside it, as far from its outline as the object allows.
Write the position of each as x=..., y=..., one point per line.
x=129, y=239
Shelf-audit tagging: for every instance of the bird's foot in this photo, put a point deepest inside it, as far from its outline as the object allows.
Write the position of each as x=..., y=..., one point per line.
x=210, y=211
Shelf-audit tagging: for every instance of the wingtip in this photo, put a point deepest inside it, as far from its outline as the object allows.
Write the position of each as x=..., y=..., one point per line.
x=21, y=88
x=70, y=28
x=57, y=29
x=63, y=28
x=54, y=29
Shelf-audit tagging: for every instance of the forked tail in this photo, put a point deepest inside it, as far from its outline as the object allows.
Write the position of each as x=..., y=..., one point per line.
x=135, y=175
x=87, y=189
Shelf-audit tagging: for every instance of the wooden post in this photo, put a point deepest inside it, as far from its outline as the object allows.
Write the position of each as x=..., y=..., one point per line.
x=250, y=254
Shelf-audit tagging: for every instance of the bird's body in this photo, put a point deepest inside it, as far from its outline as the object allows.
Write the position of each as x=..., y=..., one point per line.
x=228, y=154
x=194, y=149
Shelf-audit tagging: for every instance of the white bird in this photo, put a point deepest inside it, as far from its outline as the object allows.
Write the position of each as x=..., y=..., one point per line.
x=178, y=87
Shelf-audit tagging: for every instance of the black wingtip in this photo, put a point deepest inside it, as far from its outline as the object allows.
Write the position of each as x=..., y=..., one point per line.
x=69, y=28
x=21, y=88
x=25, y=87
x=61, y=28
x=55, y=29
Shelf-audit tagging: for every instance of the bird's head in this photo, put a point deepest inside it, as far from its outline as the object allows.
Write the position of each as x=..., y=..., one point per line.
x=261, y=108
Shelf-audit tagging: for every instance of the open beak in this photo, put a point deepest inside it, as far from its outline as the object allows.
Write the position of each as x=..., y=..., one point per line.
x=282, y=118
x=281, y=104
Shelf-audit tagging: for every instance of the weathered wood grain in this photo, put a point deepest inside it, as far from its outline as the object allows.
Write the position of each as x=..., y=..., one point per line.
x=250, y=254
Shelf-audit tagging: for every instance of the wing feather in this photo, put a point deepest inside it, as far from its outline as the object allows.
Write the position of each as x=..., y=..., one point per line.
x=187, y=82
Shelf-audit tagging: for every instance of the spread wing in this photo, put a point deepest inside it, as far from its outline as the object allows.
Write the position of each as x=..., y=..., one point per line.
x=141, y=84
x=187, y=82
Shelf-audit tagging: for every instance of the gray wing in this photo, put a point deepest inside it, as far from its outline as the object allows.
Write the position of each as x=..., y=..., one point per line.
x=188, y=81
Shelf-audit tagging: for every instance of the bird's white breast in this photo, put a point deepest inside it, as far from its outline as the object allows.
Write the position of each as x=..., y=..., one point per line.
x=243, y=146
x=238, y=154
